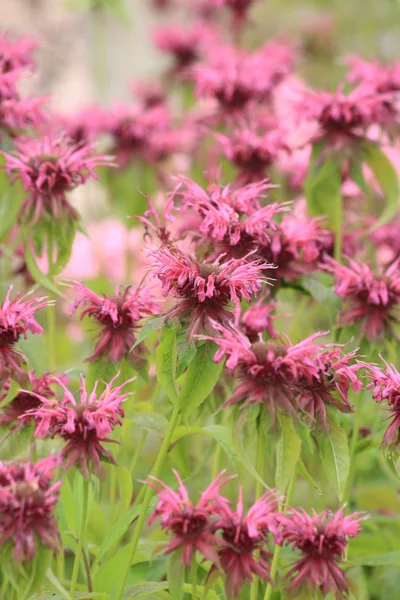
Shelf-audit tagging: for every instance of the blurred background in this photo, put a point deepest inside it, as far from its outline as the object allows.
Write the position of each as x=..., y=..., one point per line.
x=92, y=49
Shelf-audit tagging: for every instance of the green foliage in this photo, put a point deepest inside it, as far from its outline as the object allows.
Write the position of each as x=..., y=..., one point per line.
x=287, y=453
x=334, y=451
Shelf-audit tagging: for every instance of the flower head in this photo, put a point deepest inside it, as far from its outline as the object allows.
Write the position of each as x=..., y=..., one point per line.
x=385, y=386
x=27, y=503
x=117, y=317
x=24, y=401
x=191, y=526
x=16, y=54
x=251, y=151
x=258, y=319
x=242, y=536
x=49, y=168
x=16, y=319
x=239, y=8
x=322, y=539
x=372, y=298
x=84, y=425
x=205, y=290
x=186, y=45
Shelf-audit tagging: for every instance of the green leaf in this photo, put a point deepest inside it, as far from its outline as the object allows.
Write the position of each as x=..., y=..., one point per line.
x=141, y=590
x=380, y=560
x=176, y=575
x=111, y=570
x=150, y=325
x=35, y=271
x=319, y=291
x=302, y=471
x=219, y=433
x=125, y=486
x=41, y=563
x=200, y=379
x=186, y=353
x=386, y=176
x=166, y=363
x=67, y=506
x=323, y=193
x=116, y=532
x=335, y=456
x=287, y=453
x=100, y=370
x=151, y=421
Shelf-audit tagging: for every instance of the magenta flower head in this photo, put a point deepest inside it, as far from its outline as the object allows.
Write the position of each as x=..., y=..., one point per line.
x=16, y=54
x=186, y=44
x=192, y=527
x=258, y=319
x=28, y=500
x=385, y=386
x=321, y=539
x=244, y=535
x=117, y=317
x=239, y=9
x=24, y=401
x=84, y=425
x=232, y=77
x=16, y=319
x=205, y=290
x=251, y=151
x=372, y=298
x=49, y=168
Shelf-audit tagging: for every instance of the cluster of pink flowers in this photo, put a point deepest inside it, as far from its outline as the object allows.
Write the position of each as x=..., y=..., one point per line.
x=237, y=542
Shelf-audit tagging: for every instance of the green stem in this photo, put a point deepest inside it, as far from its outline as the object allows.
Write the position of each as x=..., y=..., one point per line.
x=193, y=577
x=277, y=551
x=51, y=310
x=138, y=452
x=259, y=489
x=175, y=417
x=78, y=554
x=53, y=580
x=353, y=445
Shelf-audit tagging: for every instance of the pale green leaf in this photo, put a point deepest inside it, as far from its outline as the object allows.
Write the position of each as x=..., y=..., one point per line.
x=287, y=453
x=335, y=456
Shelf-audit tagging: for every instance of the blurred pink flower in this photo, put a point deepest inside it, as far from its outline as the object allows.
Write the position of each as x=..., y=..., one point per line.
x=190, y=526
x=258, y=319
x=372, y=298
x=84, y=425
x=28, y=500
x=16, y=53
x=186, y=44
x=321, y=538
x=16, y=319
x=49, y=168
x=117, y=317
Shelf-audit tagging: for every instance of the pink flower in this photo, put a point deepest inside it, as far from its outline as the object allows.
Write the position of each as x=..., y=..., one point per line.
x=251, y=151
x=142, y=133
x=385, y=386
x=117, y=317
x=297, y=246
x=232, y=76
x=239, y=8
x=242, y=536
x=160, y=228
x=16, y=54
x=84, y=426
x=271, y=373
x=331, y=386
x=186, y=44
x=24, y=401
x=341, y=118
x=205, y=290
x=191, y=526
x=321, y=538
x=49, y=168
x=27, y=503
x=372, y=298
x=232, y=216
x=84, y=126
x=258, y=319
x=16, y=319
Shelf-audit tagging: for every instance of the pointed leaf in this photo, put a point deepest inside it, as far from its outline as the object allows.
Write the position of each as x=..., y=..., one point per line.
x=287, y=453
x=166, y=363
x=200, y=379
x=141, y=590
x=176, y=575
x=335, y=456
x=36, y=273
x=302, y=471
x=116, y=532
x=386, y=176
x=150, y=325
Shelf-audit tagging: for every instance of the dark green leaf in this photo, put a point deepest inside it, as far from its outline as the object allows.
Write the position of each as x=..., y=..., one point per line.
x=166, y=363
x=36, y=273
x=200, y=378
x=335, y=456
x=150, y=325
